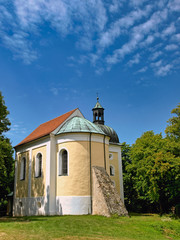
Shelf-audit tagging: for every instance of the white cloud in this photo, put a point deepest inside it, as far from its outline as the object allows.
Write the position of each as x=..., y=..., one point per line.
x=138, y=34
x=17, y=129
x=155, y=55
x=164, y=70
x=134, y=60
x=19, y=45
x=61, y=13
x=54, y=91
x=137, y=2
x=99, y=71
x=157, y=64
x=169, y=30
x=115, y=5
x=117, y=28
x=174, y=5
x=171, y=47
x=176, y=37
x=144, y=69
x=103, y=30
x=85, y=43
x=29, y=15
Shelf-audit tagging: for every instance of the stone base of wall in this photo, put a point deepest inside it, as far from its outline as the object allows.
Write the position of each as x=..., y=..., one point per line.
x=105, y=198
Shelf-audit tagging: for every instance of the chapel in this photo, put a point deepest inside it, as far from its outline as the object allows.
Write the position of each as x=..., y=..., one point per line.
x=56, y=169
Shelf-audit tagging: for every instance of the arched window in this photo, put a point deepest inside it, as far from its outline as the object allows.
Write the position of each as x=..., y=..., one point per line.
x=111, y=156
x=96, y=116
x=112, y=171
x=23, y=169
x=63, y=163
x=38, y=165
x=99, y=117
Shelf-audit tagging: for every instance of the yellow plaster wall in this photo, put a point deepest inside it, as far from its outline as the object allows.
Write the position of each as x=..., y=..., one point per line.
x=22, y=185
x=97, y=154
x=115, y=163
x=38, y=183
x=77, y=183
x=107, y=159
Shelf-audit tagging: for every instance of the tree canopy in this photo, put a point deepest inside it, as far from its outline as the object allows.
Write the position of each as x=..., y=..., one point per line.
x=152, y=169
x=4, y=121
x=6, y=156
x=173, y=129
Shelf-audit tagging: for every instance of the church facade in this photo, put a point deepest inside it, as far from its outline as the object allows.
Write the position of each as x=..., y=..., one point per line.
x=53, y=170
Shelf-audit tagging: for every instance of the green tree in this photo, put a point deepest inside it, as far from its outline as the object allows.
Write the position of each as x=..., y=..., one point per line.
x=6, y=156
x=173, y=129
x=156, y=171
x=130, y=195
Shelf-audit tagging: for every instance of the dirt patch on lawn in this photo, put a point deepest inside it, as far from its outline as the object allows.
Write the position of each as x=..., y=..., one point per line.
x=2, y=235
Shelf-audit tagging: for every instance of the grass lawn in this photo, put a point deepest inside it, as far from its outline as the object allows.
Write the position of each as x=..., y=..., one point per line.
x=139, y=226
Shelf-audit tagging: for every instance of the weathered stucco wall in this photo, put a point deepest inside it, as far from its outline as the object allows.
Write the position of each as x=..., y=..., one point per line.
x=22, y=185
x=38, y=183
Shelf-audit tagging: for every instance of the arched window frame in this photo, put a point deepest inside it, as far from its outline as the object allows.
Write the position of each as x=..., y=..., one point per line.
x=111, y=156
x=60, y=163
x=23, y=169
x=38, y=165
x=112, y=170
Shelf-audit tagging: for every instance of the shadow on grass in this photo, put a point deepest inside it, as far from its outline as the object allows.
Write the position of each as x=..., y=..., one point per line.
x=133, y=214
x=22, y=219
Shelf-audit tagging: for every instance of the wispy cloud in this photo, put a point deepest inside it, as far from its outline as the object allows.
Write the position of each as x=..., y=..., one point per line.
x=134, y=60
x=121, y=25
x=155, y=55
x=169, y=30
x=174, y=5
x=17, y=129
x=161, y=69
x=54, y=91
x=171, y=47
x=115, y=5
x=137, y=36
x=102, y=29
x=142, y=70
x=19, y=45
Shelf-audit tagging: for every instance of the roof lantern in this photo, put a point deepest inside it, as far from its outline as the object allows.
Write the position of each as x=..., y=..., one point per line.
x=98, y=113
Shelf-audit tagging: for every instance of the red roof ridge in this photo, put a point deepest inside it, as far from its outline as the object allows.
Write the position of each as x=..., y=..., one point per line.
x=46, y=128
x=60, y=116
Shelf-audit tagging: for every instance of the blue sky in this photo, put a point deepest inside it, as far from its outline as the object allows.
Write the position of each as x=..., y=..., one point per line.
x=55, y=55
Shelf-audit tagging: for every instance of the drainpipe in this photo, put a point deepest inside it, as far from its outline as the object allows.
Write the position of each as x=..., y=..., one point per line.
x=90, y=169
x=14, y=213
x=104, y=153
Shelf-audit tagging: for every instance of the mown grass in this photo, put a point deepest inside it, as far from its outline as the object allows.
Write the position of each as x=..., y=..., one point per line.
x=139, y=226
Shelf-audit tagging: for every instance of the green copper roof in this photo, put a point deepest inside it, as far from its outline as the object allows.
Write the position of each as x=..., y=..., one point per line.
x=109, y=132
x=79, y=124
x=98, y=105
